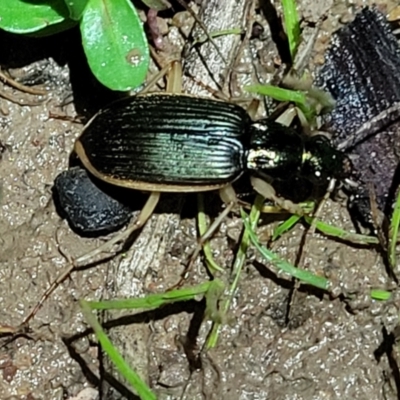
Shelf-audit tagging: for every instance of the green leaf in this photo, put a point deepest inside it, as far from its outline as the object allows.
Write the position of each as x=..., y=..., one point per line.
x=115, y=43
x=76, y=8
x=26, y=17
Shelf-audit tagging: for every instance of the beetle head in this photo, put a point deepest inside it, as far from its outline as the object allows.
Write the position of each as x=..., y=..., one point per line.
x=322, y=162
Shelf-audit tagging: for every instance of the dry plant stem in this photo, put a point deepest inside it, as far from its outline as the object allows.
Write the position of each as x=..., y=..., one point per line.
x=19, y=101
x=204, y=28
x=250, y=20
x=376, y=218
x=20, y=86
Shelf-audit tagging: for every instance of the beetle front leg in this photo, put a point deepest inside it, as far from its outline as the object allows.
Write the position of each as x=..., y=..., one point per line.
x=265, y=189
x=228, y=196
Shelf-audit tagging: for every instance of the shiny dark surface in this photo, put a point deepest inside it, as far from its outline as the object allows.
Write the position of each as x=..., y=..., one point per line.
x=362, y=72
x=277, y=149
x=168, y=139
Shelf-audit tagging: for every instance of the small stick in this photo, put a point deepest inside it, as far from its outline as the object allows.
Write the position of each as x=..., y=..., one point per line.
x=10, y=81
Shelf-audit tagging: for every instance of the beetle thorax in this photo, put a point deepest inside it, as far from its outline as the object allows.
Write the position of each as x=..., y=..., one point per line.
x=262, y=158
x=274, y=150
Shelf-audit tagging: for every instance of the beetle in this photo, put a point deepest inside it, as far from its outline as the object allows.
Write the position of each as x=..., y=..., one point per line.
x=163, y=142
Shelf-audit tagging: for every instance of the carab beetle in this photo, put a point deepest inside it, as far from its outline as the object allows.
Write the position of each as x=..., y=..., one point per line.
x=163, y=142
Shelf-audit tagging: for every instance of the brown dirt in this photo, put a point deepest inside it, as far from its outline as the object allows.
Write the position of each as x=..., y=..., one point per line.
x=328, y=350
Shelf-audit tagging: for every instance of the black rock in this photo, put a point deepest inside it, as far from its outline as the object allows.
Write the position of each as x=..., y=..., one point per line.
x=88, y=204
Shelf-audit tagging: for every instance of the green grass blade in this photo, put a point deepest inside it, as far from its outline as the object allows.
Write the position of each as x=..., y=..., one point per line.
x=280, y=94
x=381, y=295
x=285, y=226
x=240, y=259
x=152, y=301
x=131, y=376
x=341, y=234
x=304, y=276
x=393, y=233
x=292, y=24
x=115, y=43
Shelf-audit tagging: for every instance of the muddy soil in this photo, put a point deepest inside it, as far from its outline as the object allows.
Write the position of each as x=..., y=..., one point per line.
x=329, y=350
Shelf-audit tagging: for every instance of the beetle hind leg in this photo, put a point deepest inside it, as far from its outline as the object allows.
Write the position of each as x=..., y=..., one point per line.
x=141, y=219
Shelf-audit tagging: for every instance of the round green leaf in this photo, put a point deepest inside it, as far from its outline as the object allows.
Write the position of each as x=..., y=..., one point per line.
x=20, y=16
x=115, y=44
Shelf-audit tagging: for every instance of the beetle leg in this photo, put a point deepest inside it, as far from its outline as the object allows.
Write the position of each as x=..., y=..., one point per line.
x=141, y=219
x=265, y=189
x=174, y=78
x=173, y=71
x=228, y=196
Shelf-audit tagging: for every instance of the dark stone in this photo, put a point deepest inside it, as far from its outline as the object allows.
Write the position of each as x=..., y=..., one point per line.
x=88, y=205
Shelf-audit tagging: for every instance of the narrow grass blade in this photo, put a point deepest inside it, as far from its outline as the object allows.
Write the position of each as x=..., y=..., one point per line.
x=381, y=295
x=240, y=259
x=280, y=94
x=285, y=226
x=143, y=391
x=393, y=233
x=302, y=275
x=152, y=301
x=292, y=24
x=341, y=234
